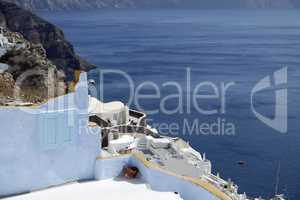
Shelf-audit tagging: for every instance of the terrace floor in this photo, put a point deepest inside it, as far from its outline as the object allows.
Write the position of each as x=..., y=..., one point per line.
x=114, y=189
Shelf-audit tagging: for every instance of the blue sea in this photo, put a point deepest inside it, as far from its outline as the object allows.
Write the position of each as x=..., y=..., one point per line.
x=218, y=47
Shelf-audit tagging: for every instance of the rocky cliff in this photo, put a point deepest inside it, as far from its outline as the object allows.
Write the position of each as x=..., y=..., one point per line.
x=38, y=31
x=28, y=74
x=36, y=61
x=94, y=4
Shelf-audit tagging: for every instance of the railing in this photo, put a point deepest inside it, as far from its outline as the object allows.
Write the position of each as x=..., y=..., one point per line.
x=100, y=122
x=131, y=129
x=141, y=117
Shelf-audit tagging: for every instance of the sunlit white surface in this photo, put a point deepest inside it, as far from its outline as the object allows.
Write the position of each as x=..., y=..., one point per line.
x=108, y=189
x=98, y=107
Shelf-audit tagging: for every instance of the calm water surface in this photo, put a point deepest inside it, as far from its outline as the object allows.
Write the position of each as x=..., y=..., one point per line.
x=218, y=46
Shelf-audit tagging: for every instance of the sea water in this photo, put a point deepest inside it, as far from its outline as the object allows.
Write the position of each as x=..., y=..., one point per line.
x=215, y=47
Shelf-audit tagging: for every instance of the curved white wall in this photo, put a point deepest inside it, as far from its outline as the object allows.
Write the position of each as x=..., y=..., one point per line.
x=49, y=145
x=160, y=181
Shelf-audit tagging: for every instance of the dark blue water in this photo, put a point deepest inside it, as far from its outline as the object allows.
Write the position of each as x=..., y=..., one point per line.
x=219, y=46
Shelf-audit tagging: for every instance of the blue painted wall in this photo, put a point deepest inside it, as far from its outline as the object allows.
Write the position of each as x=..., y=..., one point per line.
x=49, y=145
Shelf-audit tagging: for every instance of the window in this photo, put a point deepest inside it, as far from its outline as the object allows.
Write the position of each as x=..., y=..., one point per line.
x=54, y=130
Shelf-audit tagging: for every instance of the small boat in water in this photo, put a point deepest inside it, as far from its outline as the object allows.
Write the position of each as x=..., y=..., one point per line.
x=241, y=162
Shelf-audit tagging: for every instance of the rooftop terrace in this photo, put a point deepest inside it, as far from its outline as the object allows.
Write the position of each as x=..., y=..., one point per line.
x=114, y=189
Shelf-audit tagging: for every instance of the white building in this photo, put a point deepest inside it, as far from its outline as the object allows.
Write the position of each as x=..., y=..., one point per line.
x=74, y=138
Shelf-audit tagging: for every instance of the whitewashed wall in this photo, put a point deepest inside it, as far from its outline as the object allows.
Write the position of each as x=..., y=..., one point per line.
x=49, y=145
x=159, y=181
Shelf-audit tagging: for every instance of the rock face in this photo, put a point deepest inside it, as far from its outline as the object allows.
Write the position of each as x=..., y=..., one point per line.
x=93, y=4
x=38, y=31
x=30, y=75
x=6, y=85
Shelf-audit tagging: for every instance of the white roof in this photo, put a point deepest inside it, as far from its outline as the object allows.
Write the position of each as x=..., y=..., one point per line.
x=98, y=107
x=193, y=152
x=106, y=190
x=158, y=140
x=124, y=139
